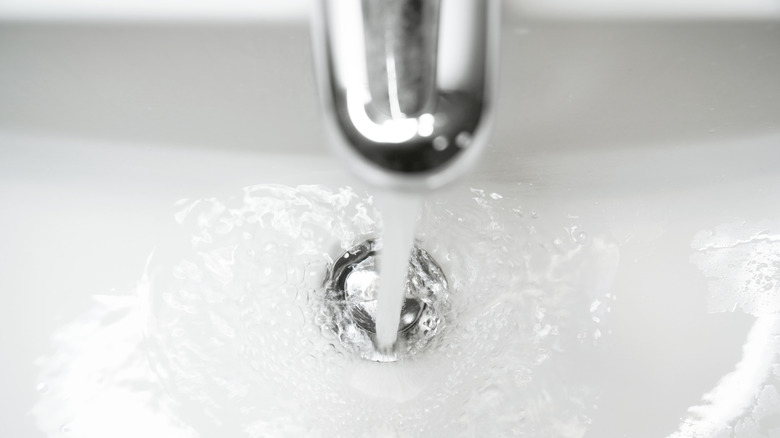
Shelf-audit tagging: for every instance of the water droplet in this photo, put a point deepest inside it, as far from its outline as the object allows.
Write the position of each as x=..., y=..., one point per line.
x=42, y=387
x=581, y=237
x=495, y=195
x=534, y=214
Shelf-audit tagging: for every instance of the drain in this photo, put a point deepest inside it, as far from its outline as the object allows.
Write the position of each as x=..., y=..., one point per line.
x=351, y=298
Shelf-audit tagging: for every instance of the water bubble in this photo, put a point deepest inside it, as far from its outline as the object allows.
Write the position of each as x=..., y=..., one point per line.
x=581, y=237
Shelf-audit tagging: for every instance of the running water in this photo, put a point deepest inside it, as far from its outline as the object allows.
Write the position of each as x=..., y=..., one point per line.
x=399, y=215
x=228, y=329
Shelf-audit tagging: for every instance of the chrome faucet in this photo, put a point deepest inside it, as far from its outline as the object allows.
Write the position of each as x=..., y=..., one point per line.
x=407, y=86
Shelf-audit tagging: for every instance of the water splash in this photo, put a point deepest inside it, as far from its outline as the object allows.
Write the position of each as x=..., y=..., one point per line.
x=225, y=336
x=745, y=402
x=741, y=261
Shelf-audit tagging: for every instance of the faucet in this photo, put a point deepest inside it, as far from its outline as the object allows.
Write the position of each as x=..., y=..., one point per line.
x=407, y=86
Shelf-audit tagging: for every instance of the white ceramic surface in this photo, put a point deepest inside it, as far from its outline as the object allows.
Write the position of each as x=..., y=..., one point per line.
x=641, y=159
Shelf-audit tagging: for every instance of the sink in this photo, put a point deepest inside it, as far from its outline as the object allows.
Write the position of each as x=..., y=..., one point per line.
x=170, y=210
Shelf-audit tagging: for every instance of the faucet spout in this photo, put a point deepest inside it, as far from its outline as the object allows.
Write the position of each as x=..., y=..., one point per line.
x=407, y=86
x=401, y=39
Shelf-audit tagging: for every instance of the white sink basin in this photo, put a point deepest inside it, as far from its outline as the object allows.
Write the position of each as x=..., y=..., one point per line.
x=614, y=260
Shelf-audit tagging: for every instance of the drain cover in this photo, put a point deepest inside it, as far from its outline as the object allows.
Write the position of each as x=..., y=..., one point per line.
x=351, y=298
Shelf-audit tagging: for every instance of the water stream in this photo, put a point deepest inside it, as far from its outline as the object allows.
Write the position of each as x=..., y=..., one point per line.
x=399, y=216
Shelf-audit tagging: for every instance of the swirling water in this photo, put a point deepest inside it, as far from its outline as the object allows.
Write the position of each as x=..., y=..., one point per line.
x=225, y=334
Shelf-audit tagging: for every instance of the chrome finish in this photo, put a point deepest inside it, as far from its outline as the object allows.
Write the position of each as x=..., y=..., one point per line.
x=351, y=298
x=407, y=85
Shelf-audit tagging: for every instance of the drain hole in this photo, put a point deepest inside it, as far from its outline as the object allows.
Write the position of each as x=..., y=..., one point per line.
x=410, y=315
x=351, y=294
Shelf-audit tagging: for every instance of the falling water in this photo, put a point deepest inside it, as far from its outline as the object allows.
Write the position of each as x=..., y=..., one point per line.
x=399, y=214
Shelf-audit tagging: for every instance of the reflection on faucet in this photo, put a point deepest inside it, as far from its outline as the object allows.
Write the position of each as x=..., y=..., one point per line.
x=407, y=85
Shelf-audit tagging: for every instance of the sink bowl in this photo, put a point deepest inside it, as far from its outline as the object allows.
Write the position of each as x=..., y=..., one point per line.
x=170, y=211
